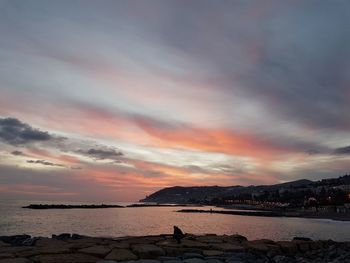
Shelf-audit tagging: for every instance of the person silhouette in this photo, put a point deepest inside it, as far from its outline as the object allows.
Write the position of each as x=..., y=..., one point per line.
x=178, y=234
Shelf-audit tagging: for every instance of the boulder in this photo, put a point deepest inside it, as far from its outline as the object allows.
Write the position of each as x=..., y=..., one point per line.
x=101, y=251
x=148, y=250
x=121, y=254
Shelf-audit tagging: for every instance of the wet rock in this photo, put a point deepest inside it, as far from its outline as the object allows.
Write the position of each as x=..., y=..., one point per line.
x=101, y=251
x=121, y=254
x=65, y=258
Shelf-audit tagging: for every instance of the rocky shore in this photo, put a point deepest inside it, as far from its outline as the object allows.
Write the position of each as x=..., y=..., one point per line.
x=67, y=248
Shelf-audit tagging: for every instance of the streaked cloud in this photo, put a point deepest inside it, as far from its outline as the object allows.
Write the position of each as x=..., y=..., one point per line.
x=134, y=96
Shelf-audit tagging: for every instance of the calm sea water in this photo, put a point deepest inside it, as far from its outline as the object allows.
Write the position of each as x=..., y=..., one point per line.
x=159, y=220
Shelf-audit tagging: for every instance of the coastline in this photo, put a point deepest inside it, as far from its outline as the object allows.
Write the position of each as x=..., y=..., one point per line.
x=330, y=216
x=210, y=248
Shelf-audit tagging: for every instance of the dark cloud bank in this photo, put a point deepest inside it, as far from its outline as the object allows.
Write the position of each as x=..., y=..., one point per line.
x=15, y=132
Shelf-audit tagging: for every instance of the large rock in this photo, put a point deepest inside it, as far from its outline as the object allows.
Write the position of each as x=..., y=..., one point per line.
x=100, y=251
x=121, y=254
x=148, y=250
x=65, y=258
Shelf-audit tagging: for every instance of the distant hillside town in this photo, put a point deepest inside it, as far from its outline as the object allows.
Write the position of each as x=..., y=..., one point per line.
x=326, y=194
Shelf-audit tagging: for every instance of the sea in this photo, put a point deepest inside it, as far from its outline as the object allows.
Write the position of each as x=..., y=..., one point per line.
x=118, y=222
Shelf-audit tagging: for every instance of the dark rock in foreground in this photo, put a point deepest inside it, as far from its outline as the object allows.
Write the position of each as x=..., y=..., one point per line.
x=67, y=248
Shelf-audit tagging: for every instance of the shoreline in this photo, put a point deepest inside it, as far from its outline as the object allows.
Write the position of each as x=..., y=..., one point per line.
x=210, y=248
x=332, y=216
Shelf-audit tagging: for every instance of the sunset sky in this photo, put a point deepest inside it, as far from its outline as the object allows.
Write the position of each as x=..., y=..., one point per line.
x=113, y=100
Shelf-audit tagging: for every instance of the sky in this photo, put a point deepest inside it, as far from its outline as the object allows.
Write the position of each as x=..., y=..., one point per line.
x=113, y=100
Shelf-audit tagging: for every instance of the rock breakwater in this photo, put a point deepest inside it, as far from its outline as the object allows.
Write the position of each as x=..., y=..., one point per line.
x=67, y=248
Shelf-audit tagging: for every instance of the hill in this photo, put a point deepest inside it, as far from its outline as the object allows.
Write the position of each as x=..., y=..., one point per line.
x=208, y=194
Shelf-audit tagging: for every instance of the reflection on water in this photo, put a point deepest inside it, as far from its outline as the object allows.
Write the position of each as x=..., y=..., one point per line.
x=159, y=220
